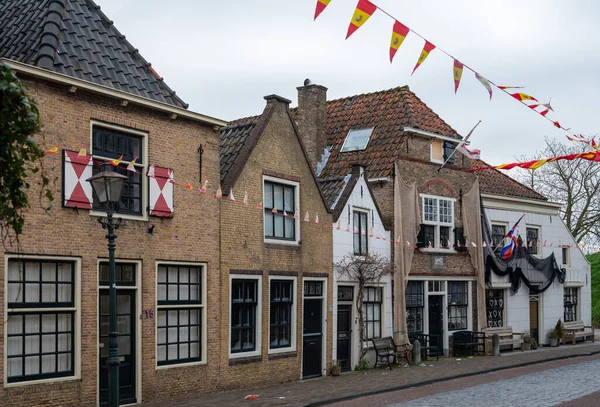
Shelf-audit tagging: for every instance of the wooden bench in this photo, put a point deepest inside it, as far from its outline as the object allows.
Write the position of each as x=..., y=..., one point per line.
x=386, y=349
x=468, y=343
x=431, y=344
x=507, y=336
x=575, y=329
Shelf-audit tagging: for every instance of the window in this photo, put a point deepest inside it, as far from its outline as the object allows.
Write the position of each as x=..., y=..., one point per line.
x=313, y=288
x=281, y=314
x=372, y=301
x=532, y=240
x=345, y=293
x=108, y=144
x=180, y=306
x=565, y=260
x=438, y=219
x=361, y=225
x=458, y=300
x=357, y=139
x=415, y=301
x=498, y=234
x=40, y=325
x=449, y=148
x=436, y=286
x=570, y=303
x=280, y=211
x=441, y=151
x=244, y=304
x=494, y=307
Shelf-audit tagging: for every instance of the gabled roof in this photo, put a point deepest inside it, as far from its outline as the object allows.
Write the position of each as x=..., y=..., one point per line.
x=388, y=111
x=75, y=38
x=492, y=181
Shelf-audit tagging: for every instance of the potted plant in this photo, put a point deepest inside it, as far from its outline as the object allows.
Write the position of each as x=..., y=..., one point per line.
x=335, y=369
x=553, y=336
x=527, y=341
x=558, y=329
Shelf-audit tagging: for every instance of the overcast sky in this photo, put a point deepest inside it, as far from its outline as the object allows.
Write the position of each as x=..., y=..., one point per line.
x=222, y=57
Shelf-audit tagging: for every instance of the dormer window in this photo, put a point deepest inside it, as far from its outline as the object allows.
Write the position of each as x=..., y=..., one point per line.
x=357, y=139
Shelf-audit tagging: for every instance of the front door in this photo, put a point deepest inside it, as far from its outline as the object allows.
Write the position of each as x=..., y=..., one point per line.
x=534, y=301
x=344, y=336
x=312, y=343
x=436, y=319
x=126, y=341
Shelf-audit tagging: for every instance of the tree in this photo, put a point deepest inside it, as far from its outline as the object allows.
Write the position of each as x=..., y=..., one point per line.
x=20, y=155
x=574, y=184
x=366, y=271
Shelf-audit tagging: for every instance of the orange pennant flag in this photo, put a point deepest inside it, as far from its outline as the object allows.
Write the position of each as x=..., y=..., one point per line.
x=189, y=186
x=364, y=10
x=82, y=151
x=321, y=4
x=399, y=33
x=427, y=48
x=522, y=96
x=53, y=150
x=458, y=70
x=117, y=161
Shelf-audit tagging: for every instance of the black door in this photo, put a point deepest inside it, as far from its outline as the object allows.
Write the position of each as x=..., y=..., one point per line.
x=126, y=340
x=436, y=320
x=344, y=336
x=312, y=341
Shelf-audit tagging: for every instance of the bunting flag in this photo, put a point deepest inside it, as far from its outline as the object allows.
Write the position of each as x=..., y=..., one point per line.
x=245, y=197
x=338, y=225
x=53, y=150
x=117, y=161
x=306, y=217
x=259, y=206
x=510, y=87
x=231, y=197
x=485, y=83
x=427, y=48
x=219, y=194
x=317, y=218
x=364, y=10
x=321, y=4
x=189, y=186
x=522, y=96
x=348, y=227
x=296, y=214
x=203, y=189
x=458, y=70
x=274, y=210
x=131, y=165
x=534, y=164
x=82, y=151
x=399, y=33
x=151, y=171
x=285, y=215
x=355, y=230
x=171, y=179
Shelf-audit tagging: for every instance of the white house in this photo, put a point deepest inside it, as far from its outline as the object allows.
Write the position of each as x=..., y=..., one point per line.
x=544, y=232
x=358, y=229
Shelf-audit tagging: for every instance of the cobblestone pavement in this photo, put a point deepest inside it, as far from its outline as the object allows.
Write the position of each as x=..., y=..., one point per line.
x=538, y=389
x=355, y=384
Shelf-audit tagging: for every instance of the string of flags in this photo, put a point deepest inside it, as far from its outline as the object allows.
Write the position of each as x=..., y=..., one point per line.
x=535, y=164
x=365, y=9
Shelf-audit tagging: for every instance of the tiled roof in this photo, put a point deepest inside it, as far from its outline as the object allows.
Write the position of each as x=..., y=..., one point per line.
x=387, y=111
x=332, y=189
x=493, y=181
x=232, y=140
x=75, y=38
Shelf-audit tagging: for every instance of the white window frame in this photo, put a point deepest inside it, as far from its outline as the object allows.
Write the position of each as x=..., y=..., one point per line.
x=258, y=332
x=506, y=229
x=296, y=185
x=202, y=307
x=140, y=165
x=539, y=244
x=348, y=136
x=382, y=310
x=565, y=249
x=369, y=220
x=436, y=224
x=294, y=312
x=76, y=326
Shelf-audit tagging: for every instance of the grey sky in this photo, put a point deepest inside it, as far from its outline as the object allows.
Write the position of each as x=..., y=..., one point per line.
x=222, y=57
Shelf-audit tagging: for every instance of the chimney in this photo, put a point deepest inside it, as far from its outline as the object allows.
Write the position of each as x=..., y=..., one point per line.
x=312, y=120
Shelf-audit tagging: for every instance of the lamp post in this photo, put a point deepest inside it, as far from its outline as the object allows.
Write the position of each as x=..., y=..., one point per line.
x=108, y=186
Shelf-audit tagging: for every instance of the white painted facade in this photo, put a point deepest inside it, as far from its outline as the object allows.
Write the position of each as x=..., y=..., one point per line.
x=553, y=237
x=343, y=244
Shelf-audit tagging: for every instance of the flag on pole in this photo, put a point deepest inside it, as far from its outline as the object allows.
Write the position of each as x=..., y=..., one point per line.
x=474, y=154
x=321, y=4
x=463, y=149
x=399, y=33
x=364, y=10
x=427, y=48
x=485, y=83
x=509, y=248
x=458, y=70
x=522, y=96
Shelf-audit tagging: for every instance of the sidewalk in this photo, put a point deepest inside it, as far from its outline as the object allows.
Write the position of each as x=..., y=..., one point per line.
x=320, y=391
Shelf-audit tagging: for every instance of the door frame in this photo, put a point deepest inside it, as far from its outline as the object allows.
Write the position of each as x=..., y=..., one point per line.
x=351, y=350
x=354, y=340
x=540, y=316
x=138, y=324
x=325, y=340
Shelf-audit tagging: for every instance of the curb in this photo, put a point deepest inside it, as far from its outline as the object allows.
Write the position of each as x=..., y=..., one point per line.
x=333, y=400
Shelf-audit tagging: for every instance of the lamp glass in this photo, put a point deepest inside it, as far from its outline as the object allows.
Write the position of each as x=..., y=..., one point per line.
x=108, y=185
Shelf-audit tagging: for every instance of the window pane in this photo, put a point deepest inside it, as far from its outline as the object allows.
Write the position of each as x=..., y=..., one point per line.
x=289, y=227
x=289, y=199
x=430, y=209
x=268, y=195
x=357, y=139
x=269, y=223
x=278, y=196
x=278, y=226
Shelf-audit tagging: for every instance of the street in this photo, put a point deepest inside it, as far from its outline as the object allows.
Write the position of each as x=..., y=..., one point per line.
x=573, y=383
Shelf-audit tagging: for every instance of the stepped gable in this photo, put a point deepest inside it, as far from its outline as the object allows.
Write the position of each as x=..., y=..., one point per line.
x=75, y=38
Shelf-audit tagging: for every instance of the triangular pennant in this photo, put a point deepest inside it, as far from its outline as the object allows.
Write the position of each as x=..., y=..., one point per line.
x=355, y=230
x=306, y=217
x=259, y=206
x=317, y=218
x=364, y=10
x=485, y=83
x=274, y=210
x=204, y=186
x=189, y=186
x=296, y=214
x=399, y=33
x=457, y=71
x=321, y=4
x=522, y=96
x=338, y=225
x=82, y=151
x=53, y=150
x=231, y=197
x=219, y=193
x=245, y=197
x=151, y=171
x=427, y=48
x=131, y=165
x=117, y=161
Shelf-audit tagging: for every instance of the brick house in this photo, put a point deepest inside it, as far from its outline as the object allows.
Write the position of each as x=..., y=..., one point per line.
x=535, y=309
x=402, y=143
x=92, y=87
x=276, y=257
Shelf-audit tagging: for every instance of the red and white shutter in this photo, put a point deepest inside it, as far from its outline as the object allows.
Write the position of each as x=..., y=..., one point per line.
x=161, y=192
x=77, y=193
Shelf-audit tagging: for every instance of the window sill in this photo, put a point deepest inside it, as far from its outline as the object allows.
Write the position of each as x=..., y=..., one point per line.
x=437, y=250
x=101, y=214
x=244, y=360
x=276, y=244
x=283, y=355
x=43, y=381
x=183, y=365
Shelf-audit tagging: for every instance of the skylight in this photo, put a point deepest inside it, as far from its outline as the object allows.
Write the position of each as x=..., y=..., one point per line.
x=357, y=139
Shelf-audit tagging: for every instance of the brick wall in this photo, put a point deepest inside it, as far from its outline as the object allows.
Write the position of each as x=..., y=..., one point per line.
x=243, y=248
x=192, y=235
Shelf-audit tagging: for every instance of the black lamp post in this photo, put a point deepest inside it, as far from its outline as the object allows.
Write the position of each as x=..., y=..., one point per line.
x=107, y=186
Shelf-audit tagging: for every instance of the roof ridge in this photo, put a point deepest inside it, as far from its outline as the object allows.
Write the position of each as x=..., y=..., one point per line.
x=50, y=33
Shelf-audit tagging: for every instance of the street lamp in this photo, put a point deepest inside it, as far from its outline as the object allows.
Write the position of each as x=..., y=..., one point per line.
x=108, y=186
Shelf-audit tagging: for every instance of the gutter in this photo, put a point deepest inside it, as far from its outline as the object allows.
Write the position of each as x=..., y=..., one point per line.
x=429, y=134
x=74, y=84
